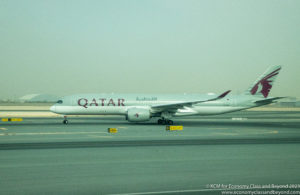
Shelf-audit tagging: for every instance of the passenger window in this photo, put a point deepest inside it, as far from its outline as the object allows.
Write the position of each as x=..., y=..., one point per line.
x=59, y=102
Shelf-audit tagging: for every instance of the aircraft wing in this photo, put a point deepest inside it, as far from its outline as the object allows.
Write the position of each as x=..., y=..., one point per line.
x=174, y=106
x=268, y=100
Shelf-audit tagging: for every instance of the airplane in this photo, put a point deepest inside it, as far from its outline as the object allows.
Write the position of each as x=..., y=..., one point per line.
x=143, y=107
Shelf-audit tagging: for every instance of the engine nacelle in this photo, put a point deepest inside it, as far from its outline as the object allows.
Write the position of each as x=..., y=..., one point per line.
x=138, y=114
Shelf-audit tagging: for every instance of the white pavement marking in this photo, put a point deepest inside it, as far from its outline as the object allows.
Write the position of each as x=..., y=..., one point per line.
x=3, y=129
x=53, y=133
x=100, y=136
x=28, y=114
x=239, y=119
x=217, y=128
x=243, y=132
x=167, y=192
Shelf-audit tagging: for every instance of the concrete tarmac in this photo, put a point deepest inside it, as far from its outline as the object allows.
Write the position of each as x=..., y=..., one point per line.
x=44, y=156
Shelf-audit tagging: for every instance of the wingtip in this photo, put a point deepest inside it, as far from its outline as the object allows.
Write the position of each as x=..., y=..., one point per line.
x=224, y=94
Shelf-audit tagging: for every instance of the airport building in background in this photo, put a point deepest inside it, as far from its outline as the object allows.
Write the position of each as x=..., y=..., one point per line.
x=38, y=98
x=289, y=102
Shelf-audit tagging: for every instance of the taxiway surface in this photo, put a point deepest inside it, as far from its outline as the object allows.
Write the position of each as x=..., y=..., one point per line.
x=44, y=156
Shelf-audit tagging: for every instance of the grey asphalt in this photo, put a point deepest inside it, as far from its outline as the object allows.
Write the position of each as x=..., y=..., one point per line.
x=44, y=156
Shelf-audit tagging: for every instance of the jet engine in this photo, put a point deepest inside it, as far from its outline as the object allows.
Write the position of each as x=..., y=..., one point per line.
x=138, y=114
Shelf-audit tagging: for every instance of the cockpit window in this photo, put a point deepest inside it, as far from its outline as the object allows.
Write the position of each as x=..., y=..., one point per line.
x=59, y=102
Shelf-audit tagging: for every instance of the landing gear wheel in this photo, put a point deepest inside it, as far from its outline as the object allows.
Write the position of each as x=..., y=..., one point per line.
x=159, y=121
x=65, y=122
x=169, y=122
x=164, y=122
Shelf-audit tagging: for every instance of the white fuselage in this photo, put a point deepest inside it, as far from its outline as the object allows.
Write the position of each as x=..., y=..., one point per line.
x=103, y=104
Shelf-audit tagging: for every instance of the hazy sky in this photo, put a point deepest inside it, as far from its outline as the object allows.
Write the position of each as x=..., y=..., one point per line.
x=147, y=46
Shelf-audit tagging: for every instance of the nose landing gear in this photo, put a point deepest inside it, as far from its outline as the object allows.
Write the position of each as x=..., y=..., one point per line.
x=65, y=121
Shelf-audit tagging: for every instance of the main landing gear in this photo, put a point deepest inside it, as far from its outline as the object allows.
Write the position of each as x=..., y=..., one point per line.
x=65, y=121
x=164, y=121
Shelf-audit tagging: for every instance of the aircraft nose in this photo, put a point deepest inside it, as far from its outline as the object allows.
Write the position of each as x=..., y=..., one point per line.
x=52, y=108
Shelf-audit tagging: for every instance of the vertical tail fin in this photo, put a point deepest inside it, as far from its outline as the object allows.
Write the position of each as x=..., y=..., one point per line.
x=262, y=86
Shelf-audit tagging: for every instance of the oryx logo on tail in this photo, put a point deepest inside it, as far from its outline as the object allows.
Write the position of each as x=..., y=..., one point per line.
x=264, y=83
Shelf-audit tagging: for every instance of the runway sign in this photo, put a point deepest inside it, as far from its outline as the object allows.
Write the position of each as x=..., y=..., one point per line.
x=112, y=130
x=174, y=128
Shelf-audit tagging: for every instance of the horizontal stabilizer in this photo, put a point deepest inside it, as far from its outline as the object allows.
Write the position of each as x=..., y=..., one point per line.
x=268, y=101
